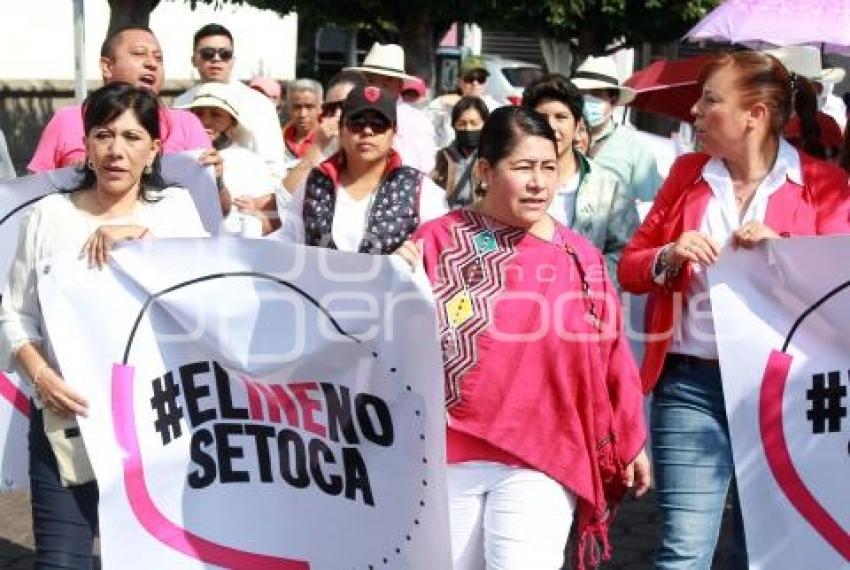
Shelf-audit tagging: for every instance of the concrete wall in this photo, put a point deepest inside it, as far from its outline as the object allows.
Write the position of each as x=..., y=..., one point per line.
x=26, y=106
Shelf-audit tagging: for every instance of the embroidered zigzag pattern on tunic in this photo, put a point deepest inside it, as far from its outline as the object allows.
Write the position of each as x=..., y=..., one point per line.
x=470, y=280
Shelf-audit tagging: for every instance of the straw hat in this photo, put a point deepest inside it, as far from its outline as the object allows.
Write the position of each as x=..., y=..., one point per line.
x=805, y=61
x=601, y=73
x=384, y=59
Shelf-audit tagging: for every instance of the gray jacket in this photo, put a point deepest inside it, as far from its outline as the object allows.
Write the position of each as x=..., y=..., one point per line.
x=605, y=212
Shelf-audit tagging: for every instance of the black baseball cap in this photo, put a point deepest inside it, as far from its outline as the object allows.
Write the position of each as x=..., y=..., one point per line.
x=370, y=98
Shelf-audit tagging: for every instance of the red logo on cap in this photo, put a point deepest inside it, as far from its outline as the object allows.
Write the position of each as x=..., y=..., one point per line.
x=372, y=94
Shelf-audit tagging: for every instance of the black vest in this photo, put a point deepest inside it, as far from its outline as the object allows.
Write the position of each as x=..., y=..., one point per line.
x=393, y=216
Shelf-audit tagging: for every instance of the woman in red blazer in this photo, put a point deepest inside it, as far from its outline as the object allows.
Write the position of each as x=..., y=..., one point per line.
x=749, y=185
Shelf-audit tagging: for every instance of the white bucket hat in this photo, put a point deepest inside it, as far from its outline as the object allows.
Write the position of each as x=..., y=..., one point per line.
x=805, y=61
x=221, y=96
x=384, y=59
x=213, y=94
x=601, y=73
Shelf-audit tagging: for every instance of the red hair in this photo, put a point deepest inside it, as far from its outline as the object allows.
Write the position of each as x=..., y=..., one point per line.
x=762, y=79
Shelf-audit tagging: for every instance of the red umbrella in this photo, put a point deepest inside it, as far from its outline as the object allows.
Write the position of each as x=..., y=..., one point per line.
x=669, y=87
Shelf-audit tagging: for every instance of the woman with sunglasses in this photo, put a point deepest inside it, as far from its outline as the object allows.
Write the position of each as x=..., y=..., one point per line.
x=362, y=199
x=325, y=143
x=119, y=197
x=544, y=411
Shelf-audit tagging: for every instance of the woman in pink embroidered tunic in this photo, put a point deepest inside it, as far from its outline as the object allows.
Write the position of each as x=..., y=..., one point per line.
x=544, y=407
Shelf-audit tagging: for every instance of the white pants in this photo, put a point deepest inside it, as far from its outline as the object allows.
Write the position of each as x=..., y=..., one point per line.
x=507, y=518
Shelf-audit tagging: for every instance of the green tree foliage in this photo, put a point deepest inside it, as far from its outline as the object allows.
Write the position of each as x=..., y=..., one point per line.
x=595, y=27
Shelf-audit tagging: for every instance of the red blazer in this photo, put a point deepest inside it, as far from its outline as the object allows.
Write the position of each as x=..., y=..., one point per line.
x=820, y=206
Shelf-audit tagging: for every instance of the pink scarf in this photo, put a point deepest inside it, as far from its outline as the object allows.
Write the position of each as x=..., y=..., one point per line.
x=564, y=399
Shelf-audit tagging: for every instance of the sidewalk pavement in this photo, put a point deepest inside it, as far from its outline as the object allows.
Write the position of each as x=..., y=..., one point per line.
x=634, y=535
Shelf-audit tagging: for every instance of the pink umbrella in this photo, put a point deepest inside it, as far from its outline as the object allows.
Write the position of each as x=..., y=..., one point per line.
x=825, y=23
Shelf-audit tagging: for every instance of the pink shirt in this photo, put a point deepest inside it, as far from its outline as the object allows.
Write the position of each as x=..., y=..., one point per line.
x=61, y=142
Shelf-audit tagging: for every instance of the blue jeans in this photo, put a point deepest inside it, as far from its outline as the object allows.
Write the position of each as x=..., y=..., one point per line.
x=692, y=457
x=64, y=518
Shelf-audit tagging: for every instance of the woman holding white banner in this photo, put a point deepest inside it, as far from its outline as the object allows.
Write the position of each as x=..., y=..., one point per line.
x=545, y=420
x=120, y=197
x=748, y=185
x=362, y=198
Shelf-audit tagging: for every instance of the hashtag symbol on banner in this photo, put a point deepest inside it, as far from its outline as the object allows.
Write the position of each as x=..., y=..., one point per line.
x=826, y=395
x=168, y=412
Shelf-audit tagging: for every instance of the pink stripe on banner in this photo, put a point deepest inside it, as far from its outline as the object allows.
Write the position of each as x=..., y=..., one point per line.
x=771, y=425
x=146, y=511
x=13, y=394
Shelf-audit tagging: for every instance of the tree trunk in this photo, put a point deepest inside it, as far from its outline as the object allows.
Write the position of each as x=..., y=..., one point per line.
x=416, y=36
x=558, y=56
x=129, y=13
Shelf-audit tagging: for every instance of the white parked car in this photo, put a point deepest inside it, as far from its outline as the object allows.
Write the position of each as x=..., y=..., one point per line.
x=509, y=77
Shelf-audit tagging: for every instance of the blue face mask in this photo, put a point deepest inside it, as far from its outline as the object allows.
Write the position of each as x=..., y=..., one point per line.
x=595, y=110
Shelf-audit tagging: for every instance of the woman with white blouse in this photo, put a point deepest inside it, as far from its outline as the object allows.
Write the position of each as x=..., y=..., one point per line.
x=120, y=197
x=363, y=199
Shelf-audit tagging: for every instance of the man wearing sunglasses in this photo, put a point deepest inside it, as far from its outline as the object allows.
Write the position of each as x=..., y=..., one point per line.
x=363, y=199
x=471, y=82
x=213, y=56
x=130, y=55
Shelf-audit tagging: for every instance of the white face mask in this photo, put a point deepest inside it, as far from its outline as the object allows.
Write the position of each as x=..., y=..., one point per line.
x=595, y=110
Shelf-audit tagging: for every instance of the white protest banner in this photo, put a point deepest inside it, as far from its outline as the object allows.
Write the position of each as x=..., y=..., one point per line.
x=14, y=424
x=255, y=404
x=780, y=313
x=17, y=195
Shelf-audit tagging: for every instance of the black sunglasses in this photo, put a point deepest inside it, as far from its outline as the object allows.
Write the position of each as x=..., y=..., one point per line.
x=376, y=123
x=475, y=77
x=209, y=53
x=330, y=108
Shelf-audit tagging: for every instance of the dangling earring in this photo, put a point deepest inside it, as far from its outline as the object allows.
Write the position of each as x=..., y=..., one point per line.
x=148, y=170
x=90, y=164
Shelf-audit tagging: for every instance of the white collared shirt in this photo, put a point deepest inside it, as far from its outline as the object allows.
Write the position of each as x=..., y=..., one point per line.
x=695, y=333
x=563, y=206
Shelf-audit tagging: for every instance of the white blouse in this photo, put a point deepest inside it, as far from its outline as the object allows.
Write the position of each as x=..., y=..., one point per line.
x=244, y=175
x=695, y=334
x=56, y=225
